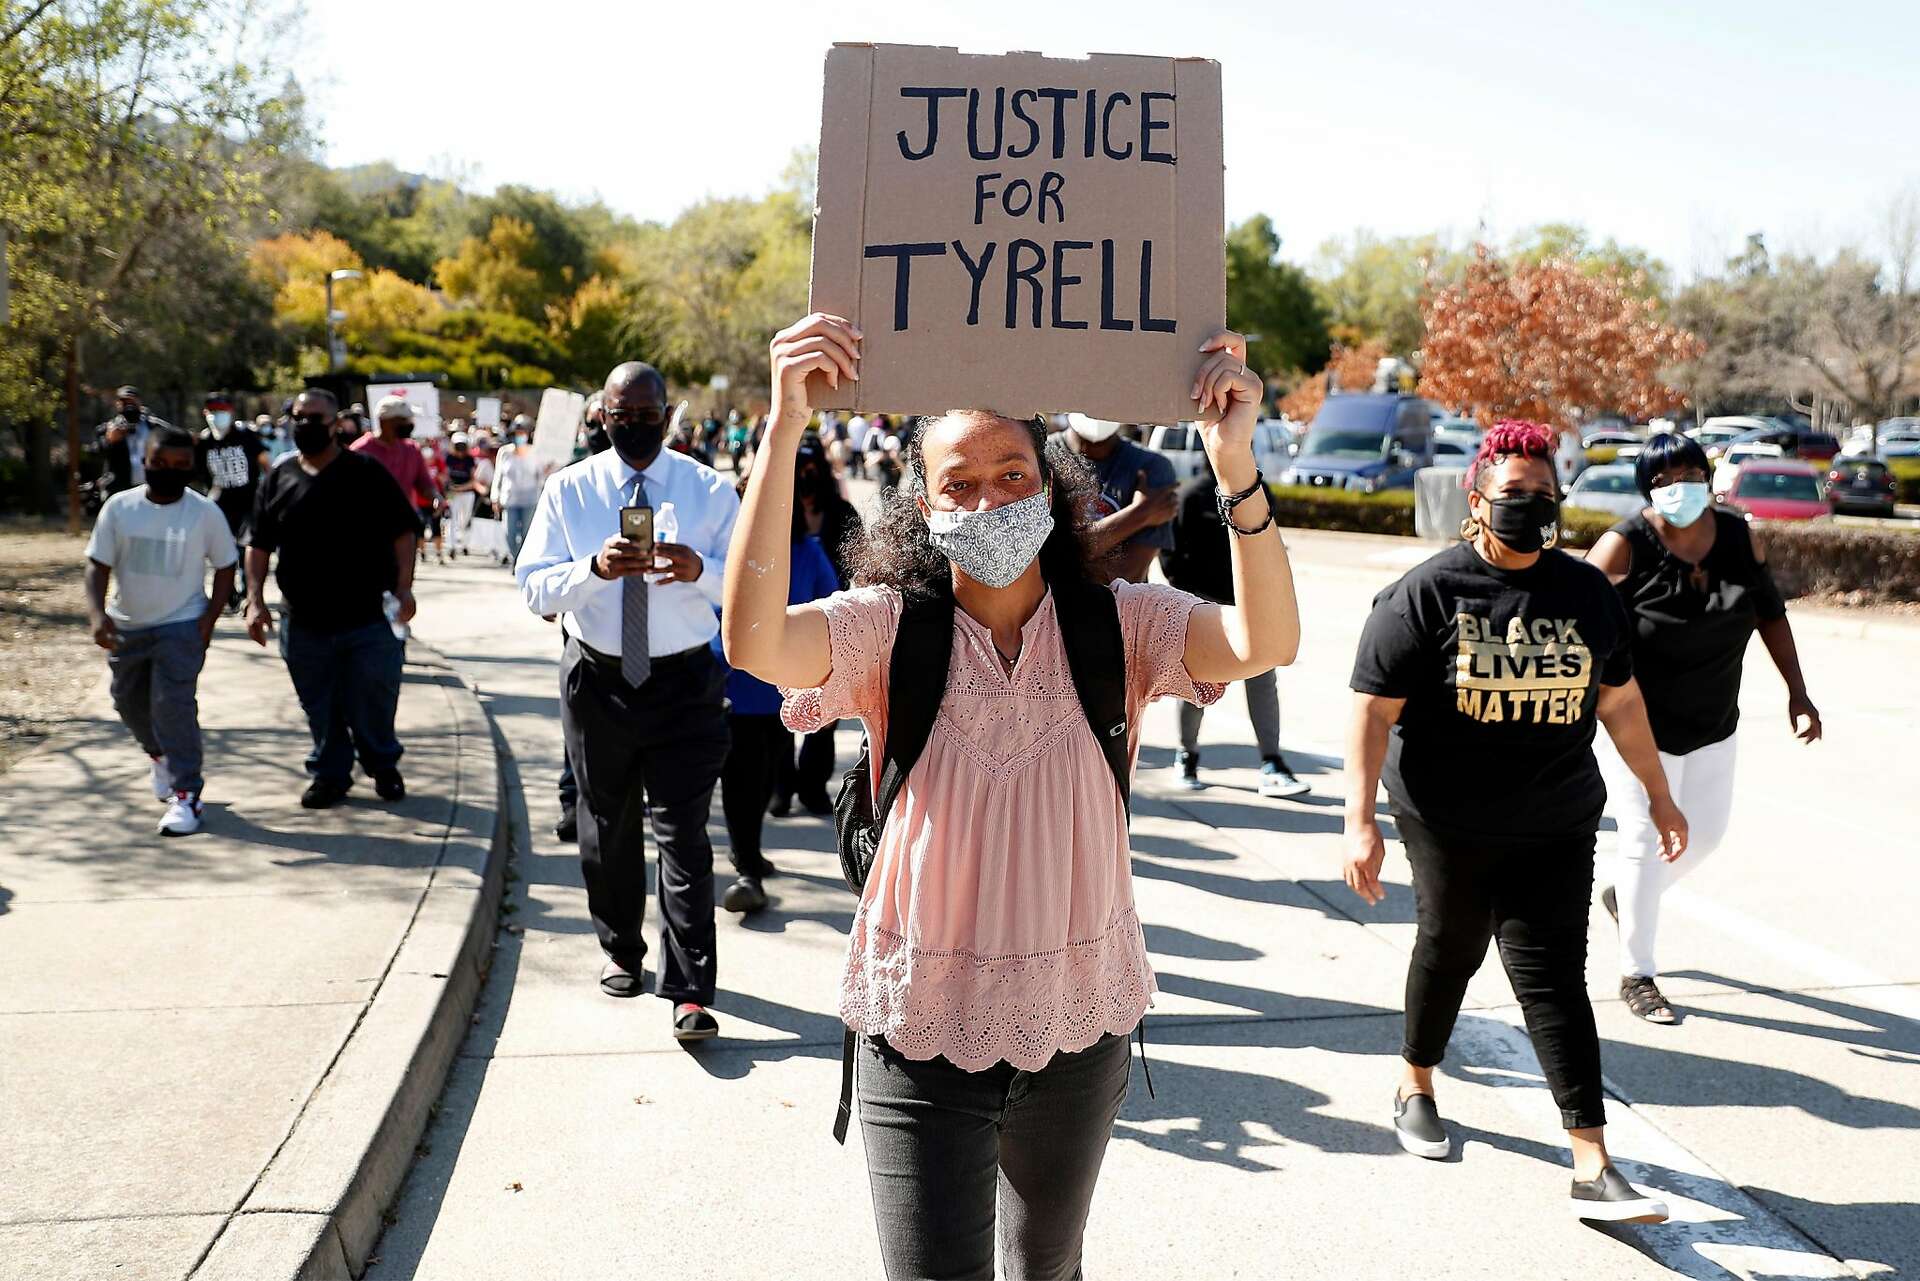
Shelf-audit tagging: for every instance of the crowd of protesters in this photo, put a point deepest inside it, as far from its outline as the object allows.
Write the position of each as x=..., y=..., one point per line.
x=716, y=632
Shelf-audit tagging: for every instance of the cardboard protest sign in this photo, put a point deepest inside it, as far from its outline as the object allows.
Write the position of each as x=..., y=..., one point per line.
x=554, y=431
x=486, y=411
x=1020, y=233
x=425, y=399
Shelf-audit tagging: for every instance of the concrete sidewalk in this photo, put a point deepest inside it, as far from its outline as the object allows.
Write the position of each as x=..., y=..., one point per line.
x=220, y=1050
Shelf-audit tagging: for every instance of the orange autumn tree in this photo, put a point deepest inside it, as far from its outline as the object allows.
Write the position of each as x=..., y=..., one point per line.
x=1348, y=368
x=1549, y=342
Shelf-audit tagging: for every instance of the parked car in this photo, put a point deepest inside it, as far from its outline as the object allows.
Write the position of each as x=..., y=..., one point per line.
x=1365, y=442
x=1778, y=489
x=1181, y=444
x=1903, y=458
x=1863, y=486
x=1734, y=456
x=1609, y=488
x=1453, y=451
x=1715, y=434
x=1604, y=445
x=1815, y=446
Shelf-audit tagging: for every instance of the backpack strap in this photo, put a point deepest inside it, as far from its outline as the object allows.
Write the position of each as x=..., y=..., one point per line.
x=1097, y=657
x=916, y=682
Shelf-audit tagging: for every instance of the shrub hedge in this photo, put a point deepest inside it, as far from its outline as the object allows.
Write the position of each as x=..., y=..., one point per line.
x=1808, y=557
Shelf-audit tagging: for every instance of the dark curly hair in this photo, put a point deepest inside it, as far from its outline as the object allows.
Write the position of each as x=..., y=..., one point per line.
x=895, y=551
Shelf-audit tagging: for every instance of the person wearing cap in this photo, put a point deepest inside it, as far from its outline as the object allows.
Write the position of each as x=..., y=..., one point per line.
x=463, y=490
x=1138, y=491
x=122, y=442
x=391, y=445
x=518, y=475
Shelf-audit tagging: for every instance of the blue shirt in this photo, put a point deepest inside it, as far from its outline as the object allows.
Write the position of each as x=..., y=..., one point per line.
x=580, y=509
x=812, y=577
x=1119, y=477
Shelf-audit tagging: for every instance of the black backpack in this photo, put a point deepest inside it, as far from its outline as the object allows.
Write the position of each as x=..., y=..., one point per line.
x=917, y=681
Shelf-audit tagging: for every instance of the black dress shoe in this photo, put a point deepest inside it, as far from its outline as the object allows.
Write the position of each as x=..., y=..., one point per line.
x=1611, y=1199
x=322, y=795
x=389, y=786
x=781, y=806
x=744, y=896
x=817, y=805
x=568, y=828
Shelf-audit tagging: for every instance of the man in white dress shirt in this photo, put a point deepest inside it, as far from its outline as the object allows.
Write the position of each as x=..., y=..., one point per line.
x=642, y=697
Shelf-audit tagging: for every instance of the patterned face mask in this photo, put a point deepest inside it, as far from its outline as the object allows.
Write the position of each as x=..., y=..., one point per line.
x=993, y=547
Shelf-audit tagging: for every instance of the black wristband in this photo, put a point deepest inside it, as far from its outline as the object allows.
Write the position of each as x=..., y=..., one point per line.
x=1224, y=502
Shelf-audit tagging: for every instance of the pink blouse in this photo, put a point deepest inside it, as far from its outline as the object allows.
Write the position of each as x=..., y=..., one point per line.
x=998, y=920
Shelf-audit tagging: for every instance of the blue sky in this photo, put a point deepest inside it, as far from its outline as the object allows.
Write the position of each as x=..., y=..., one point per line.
x=1679, y=127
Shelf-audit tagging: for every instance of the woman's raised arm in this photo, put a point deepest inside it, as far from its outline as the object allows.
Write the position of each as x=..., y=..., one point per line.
x=780, y=644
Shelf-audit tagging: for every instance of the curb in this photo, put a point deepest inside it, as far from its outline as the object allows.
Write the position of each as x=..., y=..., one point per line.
x=318, y=1209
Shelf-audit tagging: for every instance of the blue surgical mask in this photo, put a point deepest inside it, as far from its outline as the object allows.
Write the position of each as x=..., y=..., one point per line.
x=1682, y=502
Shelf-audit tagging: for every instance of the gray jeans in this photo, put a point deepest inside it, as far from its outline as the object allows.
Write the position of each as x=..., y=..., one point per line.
x=947, y=1148
x=156, y=681
x=1263, y=707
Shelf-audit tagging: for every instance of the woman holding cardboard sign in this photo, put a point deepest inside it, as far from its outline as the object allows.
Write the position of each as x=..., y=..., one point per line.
x=995, y=966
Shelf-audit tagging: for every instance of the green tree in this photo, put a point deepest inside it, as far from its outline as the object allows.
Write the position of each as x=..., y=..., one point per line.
x=1273, y=303
x=1639, y=272
x=496, y=272
x=1371, y=287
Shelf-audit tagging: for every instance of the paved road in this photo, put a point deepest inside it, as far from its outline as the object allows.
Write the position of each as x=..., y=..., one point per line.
x=575, y=1139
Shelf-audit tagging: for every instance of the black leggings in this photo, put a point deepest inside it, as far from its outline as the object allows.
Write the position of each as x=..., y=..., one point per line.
x=746, y=783
x=1532, y=898
x=950, y=1151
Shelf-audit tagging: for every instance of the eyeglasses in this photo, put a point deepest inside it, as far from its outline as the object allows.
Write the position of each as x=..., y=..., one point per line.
x=646, y=416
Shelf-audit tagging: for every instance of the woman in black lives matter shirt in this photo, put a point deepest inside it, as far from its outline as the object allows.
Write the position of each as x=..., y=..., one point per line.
x=1489, y=664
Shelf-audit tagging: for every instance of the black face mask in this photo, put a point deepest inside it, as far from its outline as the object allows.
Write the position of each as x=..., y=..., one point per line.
x=312, y=435
x=638, y=440
x=1524, y=522
x=165, y=484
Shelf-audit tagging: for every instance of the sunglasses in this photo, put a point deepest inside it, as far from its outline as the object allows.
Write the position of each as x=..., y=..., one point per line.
x=647, y=416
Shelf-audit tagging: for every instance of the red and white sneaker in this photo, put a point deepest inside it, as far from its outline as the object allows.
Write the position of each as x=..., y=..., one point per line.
x=183, y=815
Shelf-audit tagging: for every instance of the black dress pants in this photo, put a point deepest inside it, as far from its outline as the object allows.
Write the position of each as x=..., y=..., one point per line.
x=1532, y=898
x=663, y=744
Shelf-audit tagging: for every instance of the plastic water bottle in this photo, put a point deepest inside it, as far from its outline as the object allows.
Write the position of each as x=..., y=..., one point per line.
x=390, y=605
x=666, y=529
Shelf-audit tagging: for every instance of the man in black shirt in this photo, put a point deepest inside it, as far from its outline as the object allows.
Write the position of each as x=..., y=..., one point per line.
x=228, y=459
x=345, y=534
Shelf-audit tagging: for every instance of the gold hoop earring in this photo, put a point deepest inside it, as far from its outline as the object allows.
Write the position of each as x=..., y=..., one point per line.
x=1553, y=539
x=1469, y=530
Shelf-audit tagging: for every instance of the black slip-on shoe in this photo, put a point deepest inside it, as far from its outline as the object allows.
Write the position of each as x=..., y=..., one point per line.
x=780, y=806
x=744, y=896
x=568, y=828
x=321, y=795
x=389, y=786
x=1416, y=1123
x=616, y=980
x=1611, y=1199
x=817, y=804
x=692, y=1023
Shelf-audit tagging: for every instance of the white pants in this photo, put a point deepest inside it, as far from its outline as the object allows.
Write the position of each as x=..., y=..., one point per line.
x=1702, y=785
x=459, y=516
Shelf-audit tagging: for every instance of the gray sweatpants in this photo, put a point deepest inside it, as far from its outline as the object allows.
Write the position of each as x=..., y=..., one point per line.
x=1263, y=707
x=156, y=680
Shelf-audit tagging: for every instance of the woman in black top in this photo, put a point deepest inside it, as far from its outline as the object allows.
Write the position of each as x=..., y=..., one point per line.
x=1479, y=677
x=1696, y=586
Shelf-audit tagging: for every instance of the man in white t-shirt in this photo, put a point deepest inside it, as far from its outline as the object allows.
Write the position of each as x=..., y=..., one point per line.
x=857, y=428
x=519, y=474
x=154, y=545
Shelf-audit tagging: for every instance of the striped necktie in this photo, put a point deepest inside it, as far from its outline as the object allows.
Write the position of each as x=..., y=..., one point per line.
x=636, y=661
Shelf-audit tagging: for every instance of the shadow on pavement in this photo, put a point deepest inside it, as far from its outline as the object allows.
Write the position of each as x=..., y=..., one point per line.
x=1893, y=1034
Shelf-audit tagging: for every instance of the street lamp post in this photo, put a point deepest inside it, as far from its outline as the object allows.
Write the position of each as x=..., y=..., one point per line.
x=336, y=346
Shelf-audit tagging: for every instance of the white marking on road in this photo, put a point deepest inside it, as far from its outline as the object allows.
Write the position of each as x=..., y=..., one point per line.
x=1829, y=967
x=1716, y=1231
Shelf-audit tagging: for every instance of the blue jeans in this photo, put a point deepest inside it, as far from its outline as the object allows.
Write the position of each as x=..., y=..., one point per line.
x=349, y=686
x=519, y=521
x=156, y=679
